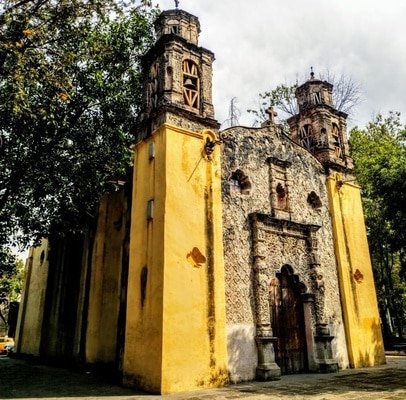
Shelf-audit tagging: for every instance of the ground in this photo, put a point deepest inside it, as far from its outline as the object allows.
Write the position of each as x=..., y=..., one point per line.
x=21, y=379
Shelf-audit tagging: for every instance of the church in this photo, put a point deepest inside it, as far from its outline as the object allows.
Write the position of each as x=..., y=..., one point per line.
x=227, y=256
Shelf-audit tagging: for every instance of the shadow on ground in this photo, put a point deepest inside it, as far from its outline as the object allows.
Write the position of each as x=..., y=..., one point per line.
x=377, y=382
x=21, y=379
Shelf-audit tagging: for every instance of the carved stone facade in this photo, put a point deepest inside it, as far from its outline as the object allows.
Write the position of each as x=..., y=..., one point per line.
x=281, y=221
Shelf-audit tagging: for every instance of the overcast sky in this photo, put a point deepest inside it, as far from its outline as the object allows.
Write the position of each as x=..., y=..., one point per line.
x=261, y=43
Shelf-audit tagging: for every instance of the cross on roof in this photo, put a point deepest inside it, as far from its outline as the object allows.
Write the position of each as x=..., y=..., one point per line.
x=272, y=114
x=176, y=3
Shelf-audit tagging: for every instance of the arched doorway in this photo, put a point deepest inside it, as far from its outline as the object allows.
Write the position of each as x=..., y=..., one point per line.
x=287, y=319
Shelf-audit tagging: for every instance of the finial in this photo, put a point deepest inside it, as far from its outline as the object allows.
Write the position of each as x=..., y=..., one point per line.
x=176, y=3
x=311, y=73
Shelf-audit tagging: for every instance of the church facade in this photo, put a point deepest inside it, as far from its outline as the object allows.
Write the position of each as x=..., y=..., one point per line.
x=227, y=256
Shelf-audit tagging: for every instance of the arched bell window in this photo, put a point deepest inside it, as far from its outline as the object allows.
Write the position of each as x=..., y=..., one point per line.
x=191, y=83
x=306, y=137
x=153, y=86
x=335, y=131
x=173, y=27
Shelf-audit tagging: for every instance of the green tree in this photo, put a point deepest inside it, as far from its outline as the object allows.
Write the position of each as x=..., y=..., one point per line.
x=282, y=98
x=379, y=154
x=11, y=284
x=70, y=91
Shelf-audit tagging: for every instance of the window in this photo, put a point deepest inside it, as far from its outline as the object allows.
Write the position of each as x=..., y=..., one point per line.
x=153, y=86
x=337, y=141
x=316, y=97
x=173, y=27
x=306, y=138
x=279, y=187
x=240, y=182
x=281, y=196
x=191, y=83
x=314, y=201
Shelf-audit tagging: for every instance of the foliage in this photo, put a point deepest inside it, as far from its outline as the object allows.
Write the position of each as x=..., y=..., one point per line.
x=379, y=154
x=346, y=92
x=11, y=282
x=281, y=98
x=70, y=90
x=7, y=261
x=346, y=96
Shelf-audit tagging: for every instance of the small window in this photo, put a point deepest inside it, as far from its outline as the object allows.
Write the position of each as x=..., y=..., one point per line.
x=174, y=29
x=280, y=190
x=281, y=196
x=240, y=182
x=143, y=284
x=314, y=201
x=42, y=257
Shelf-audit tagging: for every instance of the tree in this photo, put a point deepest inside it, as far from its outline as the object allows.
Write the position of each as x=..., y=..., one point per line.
x=70, y=91
x=11, y=284
x=281, y=98
x=380, y=166
x=233, y=114
x=346, y=96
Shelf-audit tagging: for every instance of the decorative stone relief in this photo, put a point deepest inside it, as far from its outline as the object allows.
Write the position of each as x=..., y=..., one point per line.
x=277, y=243
x=299, y=236
x=279, y=187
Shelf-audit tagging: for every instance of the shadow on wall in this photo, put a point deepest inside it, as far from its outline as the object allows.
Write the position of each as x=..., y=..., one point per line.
x=242, y=352
x=373, y=354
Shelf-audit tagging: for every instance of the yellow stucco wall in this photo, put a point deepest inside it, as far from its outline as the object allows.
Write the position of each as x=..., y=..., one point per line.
x=176, y=341
x=194, y=344
x=357, y=288
x=29, y=325
x=105, y=284
x=143, y=341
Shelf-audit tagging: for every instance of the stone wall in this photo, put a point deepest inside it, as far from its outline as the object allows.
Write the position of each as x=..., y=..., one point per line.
x=264, y=172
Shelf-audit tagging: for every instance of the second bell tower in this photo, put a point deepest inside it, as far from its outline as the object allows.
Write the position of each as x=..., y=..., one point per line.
x=319, y=127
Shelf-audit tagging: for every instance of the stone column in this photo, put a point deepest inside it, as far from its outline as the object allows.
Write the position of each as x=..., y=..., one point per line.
x=308, y=301
x=324, y=356
x=267, y=368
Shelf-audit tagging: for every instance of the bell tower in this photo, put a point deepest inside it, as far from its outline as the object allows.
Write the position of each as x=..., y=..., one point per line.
x=175, y=326
x=178, y=74
x=319, y=127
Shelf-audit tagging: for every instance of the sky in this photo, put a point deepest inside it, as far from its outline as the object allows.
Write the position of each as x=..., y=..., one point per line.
x=260, y=44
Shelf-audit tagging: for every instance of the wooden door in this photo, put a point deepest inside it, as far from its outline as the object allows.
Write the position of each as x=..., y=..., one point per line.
x=287, y=321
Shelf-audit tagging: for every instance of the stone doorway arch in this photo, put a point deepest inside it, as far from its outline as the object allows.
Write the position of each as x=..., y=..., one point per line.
x=288, y=321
